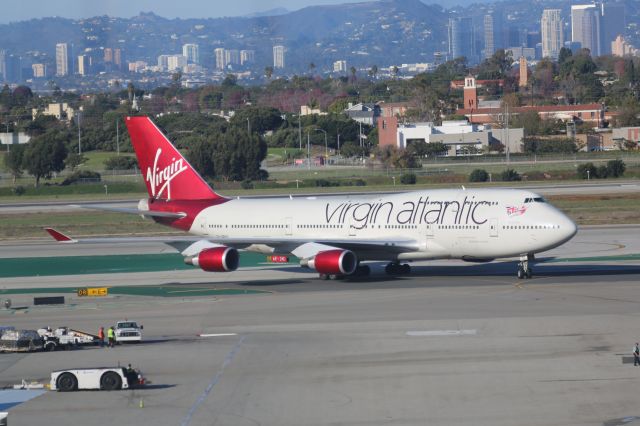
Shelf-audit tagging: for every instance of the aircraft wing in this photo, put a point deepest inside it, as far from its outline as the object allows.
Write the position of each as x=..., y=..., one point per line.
x=190, y=245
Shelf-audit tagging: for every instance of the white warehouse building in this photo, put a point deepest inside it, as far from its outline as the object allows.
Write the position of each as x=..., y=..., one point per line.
x=460, y=137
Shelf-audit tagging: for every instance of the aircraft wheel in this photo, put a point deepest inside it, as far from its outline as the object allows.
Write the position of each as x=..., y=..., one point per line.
x=362, y=271
x=528, y=273
x=520, y=273
x=405, y=269
x=324, y=276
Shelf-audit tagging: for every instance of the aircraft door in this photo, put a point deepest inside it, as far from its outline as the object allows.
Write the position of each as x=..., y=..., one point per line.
x=493, y=227
x=288, y=226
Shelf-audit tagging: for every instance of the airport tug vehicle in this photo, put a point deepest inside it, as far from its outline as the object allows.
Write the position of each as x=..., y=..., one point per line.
x=102, y=378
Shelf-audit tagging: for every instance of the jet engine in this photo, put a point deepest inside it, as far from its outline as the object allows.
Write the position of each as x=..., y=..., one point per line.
x=334, y=262
x=216, y=259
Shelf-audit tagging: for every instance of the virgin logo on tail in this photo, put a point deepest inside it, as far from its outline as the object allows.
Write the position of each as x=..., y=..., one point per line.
x=160, y=179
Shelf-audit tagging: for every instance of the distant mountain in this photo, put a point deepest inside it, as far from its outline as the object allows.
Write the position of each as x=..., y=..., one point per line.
x=271, y=12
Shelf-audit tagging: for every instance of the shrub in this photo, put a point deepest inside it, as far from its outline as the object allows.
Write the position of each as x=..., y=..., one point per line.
x=408, y=179
x=120, y=163
x=510, y=175
x=80, y=176
x=587, y=171
x=325, y=183
x=479, y=175
x=19, y=190
x=247, y=184
x=602, y=172
x=616, y=168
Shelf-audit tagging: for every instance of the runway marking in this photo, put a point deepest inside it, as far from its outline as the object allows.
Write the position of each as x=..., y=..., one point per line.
x=218, y=335
x=214, y=380
x=431, y=333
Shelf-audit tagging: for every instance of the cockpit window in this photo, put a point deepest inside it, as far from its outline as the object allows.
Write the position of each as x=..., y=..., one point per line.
x=535, y=200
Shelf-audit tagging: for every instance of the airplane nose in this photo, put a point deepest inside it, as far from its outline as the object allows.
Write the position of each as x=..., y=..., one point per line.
x=568, y=227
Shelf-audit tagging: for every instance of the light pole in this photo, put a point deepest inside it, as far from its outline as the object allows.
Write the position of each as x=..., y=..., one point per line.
x=248, y=127
x=300, y=131
x=79, y=146
x=338, y=144
x=326, y=147
x=308, y=152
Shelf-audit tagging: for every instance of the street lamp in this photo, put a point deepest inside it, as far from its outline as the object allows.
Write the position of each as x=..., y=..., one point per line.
x=326, y=147
x=394, y=180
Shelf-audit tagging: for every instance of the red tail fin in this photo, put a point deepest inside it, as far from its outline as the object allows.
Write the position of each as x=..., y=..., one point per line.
x=166, y=172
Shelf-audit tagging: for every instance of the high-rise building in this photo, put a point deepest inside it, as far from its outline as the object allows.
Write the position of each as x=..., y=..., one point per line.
x=494, y=36
x=62, y=59
x=191, y=52
x=113, y=58
x=232, y=57
x=220, y=58
x=620, y=47
x=11, y=68
x=613, y=24
x=461, y=39
x=84, y=64
x=585, y=27
x=176, y=62
x=247, y=56
x=39, y=70
x=551, y=27
x=3, y=65
x=278, y=56
x=340, y=66
x=163, y=62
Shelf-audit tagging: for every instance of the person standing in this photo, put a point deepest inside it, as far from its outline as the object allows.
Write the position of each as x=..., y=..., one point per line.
x=636, y=355
x=111, y=335
x=101, y=337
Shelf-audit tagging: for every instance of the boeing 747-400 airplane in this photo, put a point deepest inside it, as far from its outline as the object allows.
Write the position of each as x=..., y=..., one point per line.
x=337, y=235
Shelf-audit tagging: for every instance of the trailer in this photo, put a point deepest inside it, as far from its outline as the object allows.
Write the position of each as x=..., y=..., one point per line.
x=101, y=378
x=21, y=341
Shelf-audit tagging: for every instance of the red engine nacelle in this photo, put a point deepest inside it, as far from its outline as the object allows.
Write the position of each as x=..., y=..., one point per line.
x=217, y=259
x=334, y=262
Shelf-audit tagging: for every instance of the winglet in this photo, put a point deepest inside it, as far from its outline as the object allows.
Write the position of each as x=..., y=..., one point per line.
x=59, y=236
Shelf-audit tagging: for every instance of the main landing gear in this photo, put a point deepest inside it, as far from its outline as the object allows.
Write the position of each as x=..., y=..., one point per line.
x=397, y=269
x=524, y=269
x=361, y=271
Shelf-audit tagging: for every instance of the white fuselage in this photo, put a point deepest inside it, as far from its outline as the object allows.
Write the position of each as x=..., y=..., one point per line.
x=471, y=224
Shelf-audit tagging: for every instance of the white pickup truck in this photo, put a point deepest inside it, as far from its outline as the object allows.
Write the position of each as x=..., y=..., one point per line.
x=128, y=331
x=103, y=378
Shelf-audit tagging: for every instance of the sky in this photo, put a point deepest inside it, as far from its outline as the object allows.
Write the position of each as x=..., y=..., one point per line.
x=27, y=9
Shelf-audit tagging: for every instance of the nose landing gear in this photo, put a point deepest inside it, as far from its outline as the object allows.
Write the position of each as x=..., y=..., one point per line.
x=524, y=269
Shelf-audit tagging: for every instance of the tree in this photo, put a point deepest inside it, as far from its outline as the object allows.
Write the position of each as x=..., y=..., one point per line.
x=45, y=154
x=616, y=168
x=230, y=81
x=587, y=171
x=353, y=73
x=373, y=72
x=261, y=119
x=312, y=67
x=74, y=160
x=510, y=175
x=628, y=113
x=408, y=179
x=268, y=72
x=479, y=175
x=200, y=156
x=564, y=54
x=14, y=161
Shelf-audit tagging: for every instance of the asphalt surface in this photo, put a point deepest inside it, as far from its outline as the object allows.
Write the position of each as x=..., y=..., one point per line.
x=453, y=344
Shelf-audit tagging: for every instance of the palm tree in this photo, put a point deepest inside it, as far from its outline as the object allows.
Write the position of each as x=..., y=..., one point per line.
x=353, y=73
x=373, y=72
x=268, y=72
x=312, y=66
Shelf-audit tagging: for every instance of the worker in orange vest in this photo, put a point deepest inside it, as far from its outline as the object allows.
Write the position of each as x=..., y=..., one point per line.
x=101, y=337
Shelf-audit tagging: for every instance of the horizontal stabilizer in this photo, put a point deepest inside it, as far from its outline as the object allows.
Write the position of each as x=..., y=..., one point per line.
x=149, y=213
x=59, y=236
